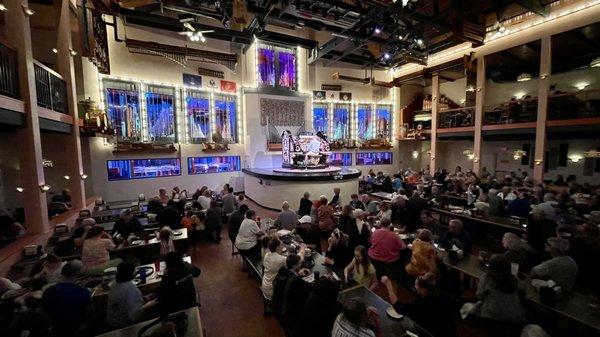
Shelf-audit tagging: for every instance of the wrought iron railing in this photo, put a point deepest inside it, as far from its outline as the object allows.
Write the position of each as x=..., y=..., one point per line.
x=9, y=80
x=513, y=111
x=51, y=89
x=456, y=118
x=581, y=104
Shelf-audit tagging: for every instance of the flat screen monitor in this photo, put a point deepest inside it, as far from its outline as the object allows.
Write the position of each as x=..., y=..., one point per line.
x=204, y=165
x=340, y=159
x=374, y=158
x=126, y=169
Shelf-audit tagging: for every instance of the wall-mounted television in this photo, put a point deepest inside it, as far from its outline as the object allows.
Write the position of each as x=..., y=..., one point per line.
x=374, y=158
x=340, y=159
x=142, y=168
x=204, y=165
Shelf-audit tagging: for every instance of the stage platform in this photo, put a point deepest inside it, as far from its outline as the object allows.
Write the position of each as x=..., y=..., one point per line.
x=269, y=187
x=308, y=170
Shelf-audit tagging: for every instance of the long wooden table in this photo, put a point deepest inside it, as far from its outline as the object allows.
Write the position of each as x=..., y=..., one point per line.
x=126, y=245
x=452, y=199
x=488, y=220
x=194, y=326
x=389, y=327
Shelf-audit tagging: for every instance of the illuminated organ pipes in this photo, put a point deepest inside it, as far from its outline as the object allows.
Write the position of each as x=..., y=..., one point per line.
x=161, y=114
x=198, y=114
x=123, y=110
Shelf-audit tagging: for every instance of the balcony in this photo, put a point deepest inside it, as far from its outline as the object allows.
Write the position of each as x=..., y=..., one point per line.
x=9, y=80
x=512, y=112
x=566, y=106
x=456, y=118
x=51, y=89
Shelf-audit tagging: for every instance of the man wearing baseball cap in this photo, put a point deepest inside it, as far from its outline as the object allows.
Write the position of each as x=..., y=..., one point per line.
x=309, y=233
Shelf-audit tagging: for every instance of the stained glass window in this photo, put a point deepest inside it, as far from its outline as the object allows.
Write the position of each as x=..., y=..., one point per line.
x=287, y=69
x=225, y=117
x=123, y=109
x=160, y=108
x=198, y=115
x=365, y=123
x=266, y=66
x=383, y=114
x=341, y=121
x=276, y=67
x=203, y=165
x=320, y=120
x=142, y=168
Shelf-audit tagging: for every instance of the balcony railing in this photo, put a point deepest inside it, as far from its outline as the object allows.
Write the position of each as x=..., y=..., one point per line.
x=51, y=89
x=513, y=111
x=9, y=80
x=456, y=118
x=582, y=104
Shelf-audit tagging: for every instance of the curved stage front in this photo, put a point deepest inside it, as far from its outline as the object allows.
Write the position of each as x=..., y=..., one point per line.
x=269, y=188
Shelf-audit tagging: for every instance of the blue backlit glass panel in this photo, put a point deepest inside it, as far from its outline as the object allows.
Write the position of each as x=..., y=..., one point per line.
x=123, y=109
x=374, y=158
x=383, y=115
x=142, y=168
x=198, y=115
x=287, y=69
x=266, y=66
x=160, y=109
x=204, y=165
x=320, y=120
x=340, y=159
x=365, y=123
x=226, y=117
x=341, y=121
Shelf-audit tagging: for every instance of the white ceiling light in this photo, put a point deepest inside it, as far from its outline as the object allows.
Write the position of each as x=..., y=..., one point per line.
x=524, y=77
x=595, y=63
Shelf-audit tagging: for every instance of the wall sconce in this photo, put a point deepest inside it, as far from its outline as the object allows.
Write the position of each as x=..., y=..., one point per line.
x=20, y=189
x=67, y=177
x=55, y=51
x=581, y=85
x=470, y=88
x=83, y=176
x=469, y=154
x=575, y=158
x=524, y=77
x=28, y=11
x=73, y=53
x=44, y=188
x=3, y=8
x=544, y=76
x=519, y=95
x=518, y=154
x=476, y=160
x=591, y=154
x=478, y=89
x=415, y=154
x=538, y=161
x=47, y=163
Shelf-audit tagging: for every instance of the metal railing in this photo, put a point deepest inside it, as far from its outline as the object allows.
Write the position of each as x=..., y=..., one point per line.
x=9, y=74
x=456, y=118
x=582, y=104
x=513, y=111
x=51, y=89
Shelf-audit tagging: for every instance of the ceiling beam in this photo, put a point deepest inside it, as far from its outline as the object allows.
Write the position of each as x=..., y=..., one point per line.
x=534, y=6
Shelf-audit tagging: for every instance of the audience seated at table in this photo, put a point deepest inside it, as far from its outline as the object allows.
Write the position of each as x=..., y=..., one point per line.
x=67, y=303
x=246, y=240
x=384, y=211
x=321, y=309
x=293, y=263
x=430, y=310
x=214, y=222
x=272, y=262
x=414, y=206
x=514, y=249
x=457, y=236
x=229, y=202
x=178, y=194
x=125, y=304
x=294, y=297
x=309, y=233
x=235, y=221
x=370, y=205
x=127, y=226
x=355, y=320
x=305, y=205
x=286, y=219
x=51, y=269
x=360, y=270
x=325, y=218
x=430, y=223
x=336, y=200
x=498, y=294
x=155, y=206
x=165, y=238
x=385, y=250
x=521, y=206
x=355, y=203
x=170, y=216
x=357, y=229
x=163, y=197
x=423, y=259
x=177, y=291
x=95, y=251
x=205, y=199
x=10, y=229
x=560, y=268
x=339, y=250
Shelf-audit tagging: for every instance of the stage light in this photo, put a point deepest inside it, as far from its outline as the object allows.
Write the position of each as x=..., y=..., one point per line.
x=524, y=77
x=3, y=8
x=377, y=31
x=44, y=188
x=386, y=56
x=581, y=85
x=420, y=42
x=20, y=189
x=202, y=39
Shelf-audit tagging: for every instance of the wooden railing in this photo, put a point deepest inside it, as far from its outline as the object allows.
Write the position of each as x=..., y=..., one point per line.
x=513, y=111
x=9, y=80
x=456, y=118
x=51, y=89
x=582, y=104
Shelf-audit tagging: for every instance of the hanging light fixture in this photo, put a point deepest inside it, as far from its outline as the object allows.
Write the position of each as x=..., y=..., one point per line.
x=524, y=77
x=20, y=189
x=28, y=11
x=66, y=177
x=518, y=154
x=83, y=176
x=3, y=7
x=469, y=154
x=595, y=63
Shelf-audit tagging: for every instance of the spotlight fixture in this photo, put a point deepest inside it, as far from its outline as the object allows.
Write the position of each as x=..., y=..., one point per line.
x=419, y=42
x=3, y=8
x=67, y=177
x=524, y=77
x=44, y=188
x=20, y=189
x=386, y=56
x=469, y=154
x=377, y=31
x=581, y=85
x=73, y=52
x=595, y=63
x=83, y=176
x=55, y=51
x=28, y=11
x=518, y=154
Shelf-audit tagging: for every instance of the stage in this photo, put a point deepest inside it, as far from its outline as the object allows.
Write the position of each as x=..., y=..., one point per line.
x=269, y=187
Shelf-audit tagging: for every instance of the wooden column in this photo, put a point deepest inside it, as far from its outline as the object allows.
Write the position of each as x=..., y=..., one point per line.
x=66, y=69
x=28, y=140
x=435, y=98
x=479, y=103
x=540, y=126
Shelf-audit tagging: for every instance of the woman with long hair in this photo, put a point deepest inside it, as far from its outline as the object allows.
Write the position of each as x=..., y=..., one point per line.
x=360, y=270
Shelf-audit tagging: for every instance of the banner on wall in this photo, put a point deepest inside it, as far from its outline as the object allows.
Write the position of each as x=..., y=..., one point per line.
x=319, y=94
x=192, y=80
x=228, y=86
x=345, y=96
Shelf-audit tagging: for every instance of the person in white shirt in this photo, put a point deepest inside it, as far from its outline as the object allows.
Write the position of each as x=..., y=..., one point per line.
x=272, y=262
x=384, y=211
x=246, y=241
x=507, y=195
x=205, y=199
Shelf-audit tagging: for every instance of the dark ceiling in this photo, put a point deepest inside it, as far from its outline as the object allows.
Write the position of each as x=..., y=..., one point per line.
x=377, y=33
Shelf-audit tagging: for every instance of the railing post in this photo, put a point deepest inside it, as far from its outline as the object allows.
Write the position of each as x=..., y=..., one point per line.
x=67, y=71
x=31, y=170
